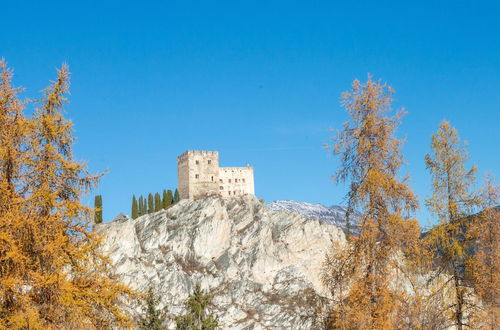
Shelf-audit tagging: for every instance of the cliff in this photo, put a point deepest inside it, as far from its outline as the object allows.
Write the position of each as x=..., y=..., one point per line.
x=262, y=266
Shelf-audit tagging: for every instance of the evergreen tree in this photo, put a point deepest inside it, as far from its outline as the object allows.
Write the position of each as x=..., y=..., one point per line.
x=52, y=273
x=135, y=210
x=452, y=201
x=169, y=198
x=359, y=275
x=177, y=197
x=151, y=203
x=154, y=318
x=98, y=209
x=165, y=201
x=141, y=206
x=158, y=205
x=198, y=316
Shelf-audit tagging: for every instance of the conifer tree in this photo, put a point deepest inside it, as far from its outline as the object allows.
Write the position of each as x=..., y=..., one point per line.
x=177, y=197
x=151, y=203
x=483, y=268
x=153, y=318
x=198, y=316
x=52, y=274
x=165, y=201
x=359, y=274
x=452, y=201
x=169, y=198
x=141, y=207
x=15, y=129
x=158, y=205
x=98, y=209
x=135, y=210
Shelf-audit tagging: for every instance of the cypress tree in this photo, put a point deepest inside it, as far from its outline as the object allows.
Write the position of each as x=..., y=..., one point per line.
x=170, y=198
x=141, y=206
x=135, y=211
x=164, y=199
x=98, y=209
x=176, y=196
x=158, y=205
x=151, y=203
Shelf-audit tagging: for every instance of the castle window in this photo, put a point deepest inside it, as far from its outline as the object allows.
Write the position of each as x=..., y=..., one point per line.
x=235, y=180
x=221, y=188
x=234, y=192
x=229, y=193
x=229, y=180
x=197, y=176
x=221, y=181
x=212, y=178
x=243, y=180
x=197, y=162
x=209, y=161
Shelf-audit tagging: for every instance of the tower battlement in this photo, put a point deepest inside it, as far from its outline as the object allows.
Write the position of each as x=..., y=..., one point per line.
x=199, y=175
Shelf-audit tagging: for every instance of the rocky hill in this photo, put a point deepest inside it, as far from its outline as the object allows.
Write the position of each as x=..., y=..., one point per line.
x=261, y=265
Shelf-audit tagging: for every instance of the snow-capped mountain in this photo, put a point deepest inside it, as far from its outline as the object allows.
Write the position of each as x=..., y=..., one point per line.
x=334, y=215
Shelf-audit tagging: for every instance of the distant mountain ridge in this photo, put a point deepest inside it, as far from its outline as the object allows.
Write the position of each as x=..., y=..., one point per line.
x=333, y=215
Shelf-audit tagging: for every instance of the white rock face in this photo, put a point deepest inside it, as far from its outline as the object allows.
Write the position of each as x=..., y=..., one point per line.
x=262, y=266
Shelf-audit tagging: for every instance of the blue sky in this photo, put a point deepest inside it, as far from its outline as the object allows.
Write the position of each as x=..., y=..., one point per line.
x=259, y=81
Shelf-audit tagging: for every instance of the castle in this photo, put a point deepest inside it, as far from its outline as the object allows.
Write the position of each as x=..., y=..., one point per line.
x=199, y=175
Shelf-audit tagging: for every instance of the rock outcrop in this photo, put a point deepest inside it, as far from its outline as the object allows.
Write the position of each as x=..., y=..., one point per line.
x=262, y=266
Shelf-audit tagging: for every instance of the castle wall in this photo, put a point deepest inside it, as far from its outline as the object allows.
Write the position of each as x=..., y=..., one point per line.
x=236, y=181
x=199, y=175
x=183, y=175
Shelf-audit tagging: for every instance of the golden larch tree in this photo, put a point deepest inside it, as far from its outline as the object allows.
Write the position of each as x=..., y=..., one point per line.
x=453, y=201
x=359, y=275
x=15, y=131
x=52, y=274
x=483, y=267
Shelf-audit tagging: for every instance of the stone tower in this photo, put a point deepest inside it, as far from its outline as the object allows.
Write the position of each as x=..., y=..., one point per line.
x=199, y=175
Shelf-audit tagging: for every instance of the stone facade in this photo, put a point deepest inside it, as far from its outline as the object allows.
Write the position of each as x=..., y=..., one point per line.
x=199, y=175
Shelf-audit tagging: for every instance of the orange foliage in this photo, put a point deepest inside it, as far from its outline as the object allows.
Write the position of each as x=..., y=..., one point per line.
x=360, y=275
x=453, y=202
x=51, y=272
